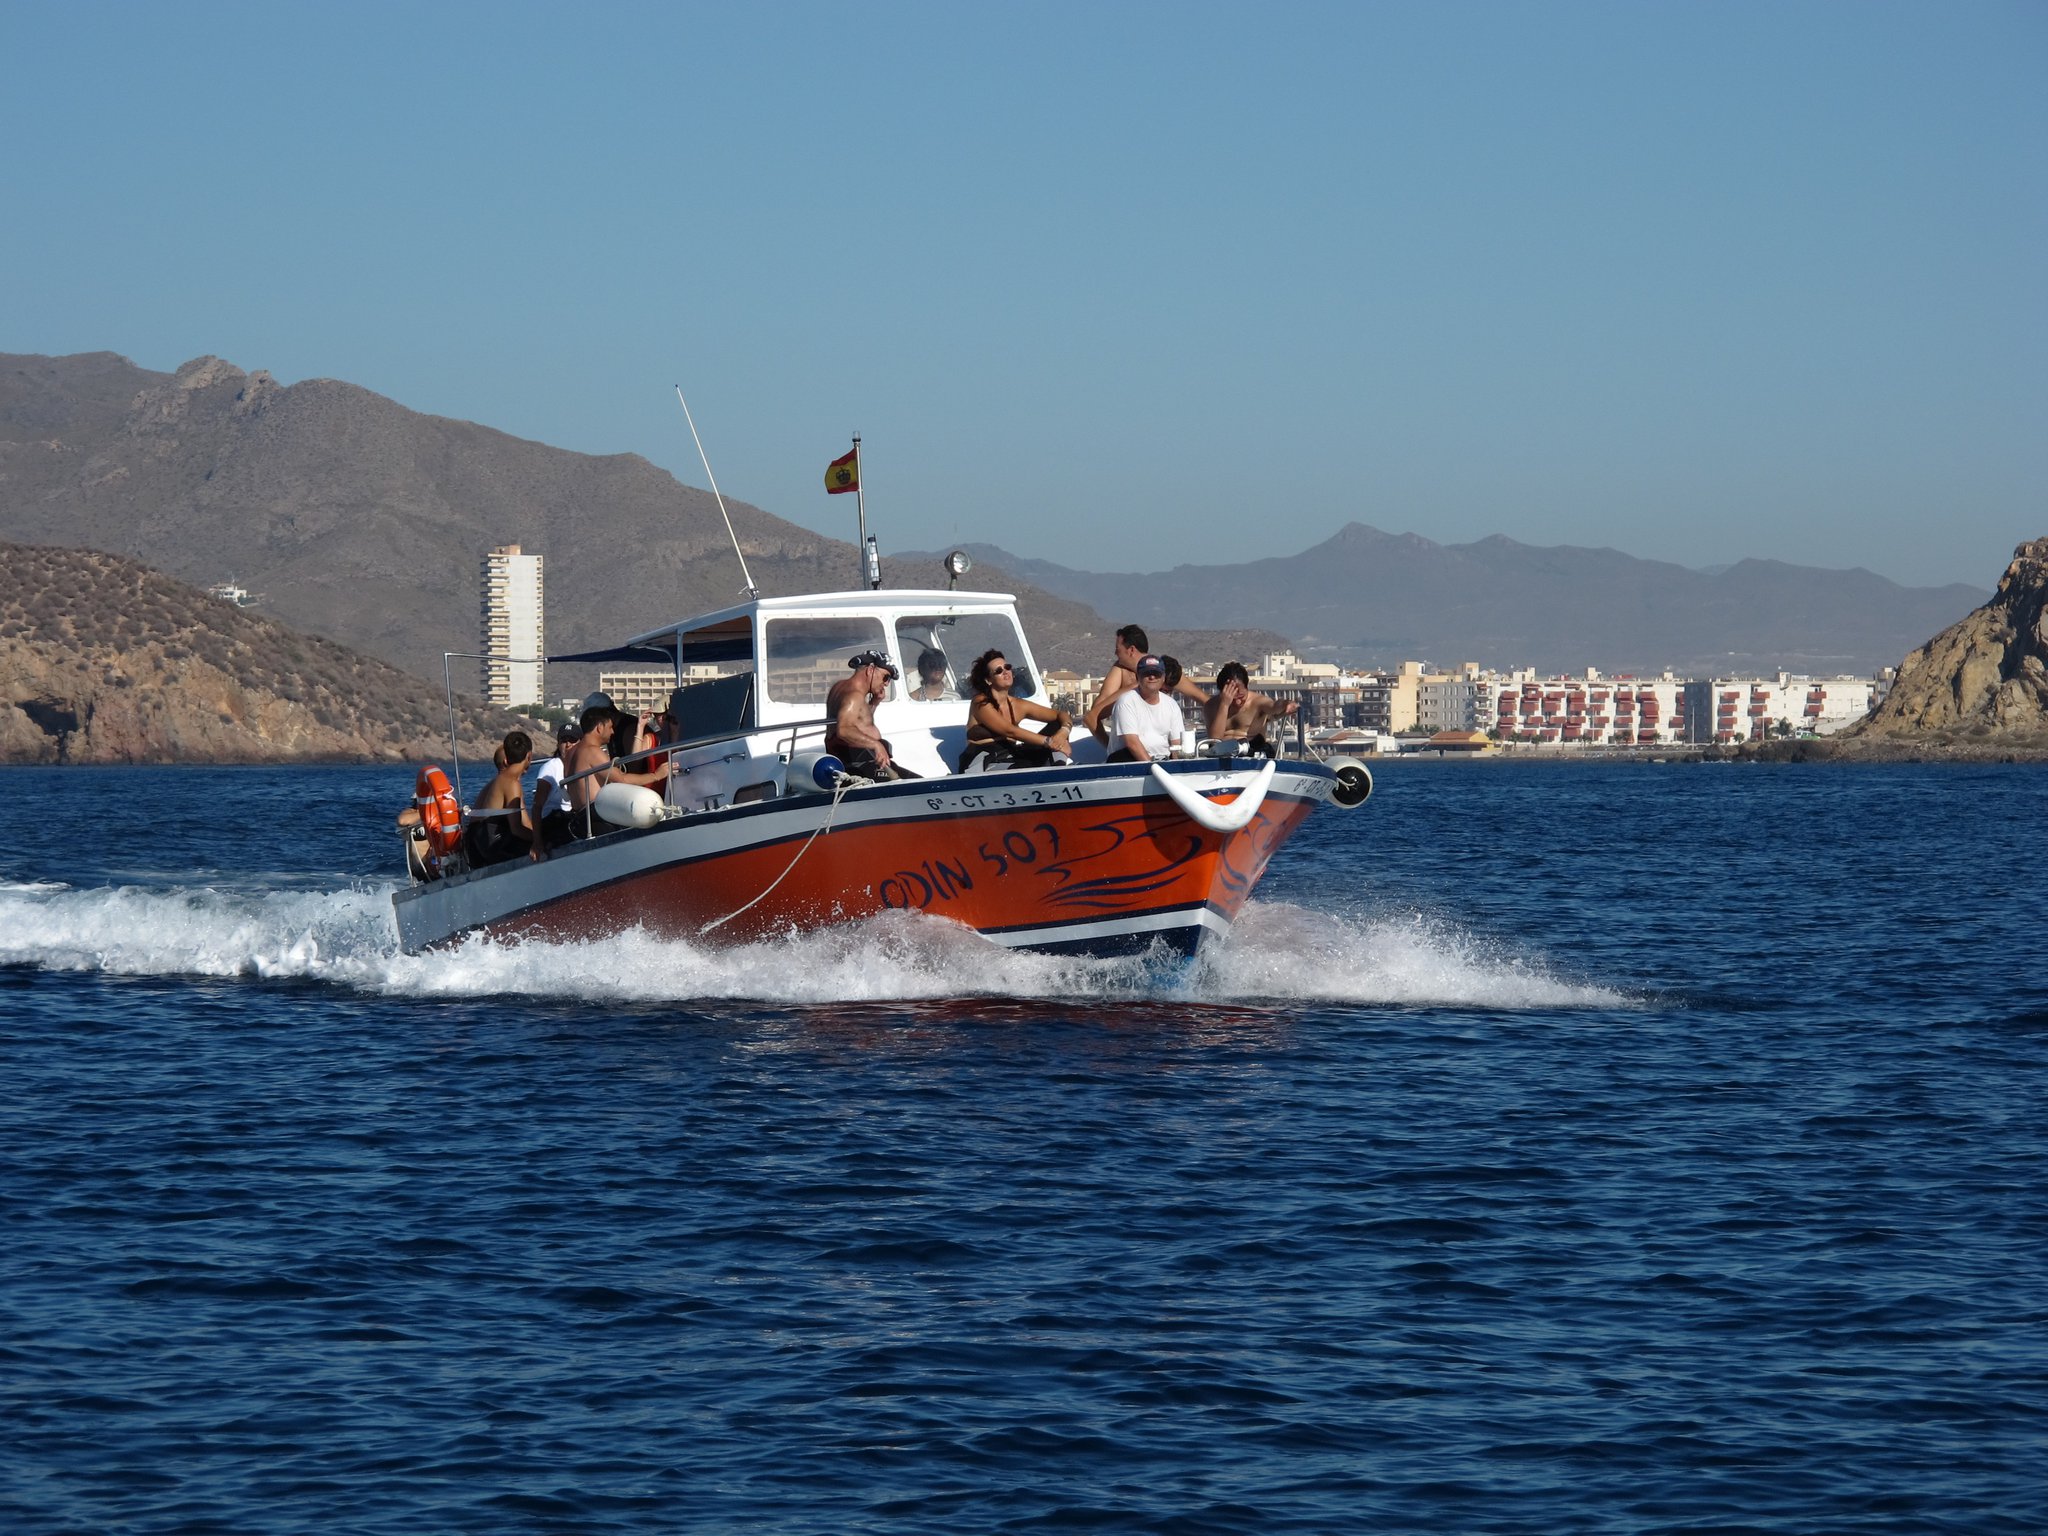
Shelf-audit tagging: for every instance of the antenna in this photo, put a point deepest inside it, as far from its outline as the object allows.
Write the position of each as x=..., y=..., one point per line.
x=750, y=590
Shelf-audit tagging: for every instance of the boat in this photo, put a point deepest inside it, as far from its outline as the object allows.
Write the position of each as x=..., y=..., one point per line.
x=761, y=833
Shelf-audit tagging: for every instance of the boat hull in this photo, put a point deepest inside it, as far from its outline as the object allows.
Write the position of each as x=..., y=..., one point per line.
x=1099, y=860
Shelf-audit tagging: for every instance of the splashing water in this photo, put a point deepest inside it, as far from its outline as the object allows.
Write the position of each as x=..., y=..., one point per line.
x=347, y=937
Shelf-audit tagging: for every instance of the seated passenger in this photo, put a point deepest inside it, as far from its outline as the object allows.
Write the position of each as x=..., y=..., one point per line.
x=931, y=678
x=498, y=839
x=852, y=736
x=631, y=736
x=589, y=765
x=419, y=856
x=1145, y=722
x=1236, y=713
x=1129, y=644
x=661, y=732
x=995, y=722
x=548, y=812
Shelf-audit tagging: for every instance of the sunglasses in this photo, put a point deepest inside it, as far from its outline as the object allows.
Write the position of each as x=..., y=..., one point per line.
x=1002, y=667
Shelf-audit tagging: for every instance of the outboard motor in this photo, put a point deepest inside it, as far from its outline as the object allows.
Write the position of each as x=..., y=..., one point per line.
x=1354, y=783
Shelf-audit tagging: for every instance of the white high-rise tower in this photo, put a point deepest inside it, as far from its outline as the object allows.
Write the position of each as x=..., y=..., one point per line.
x=514, y=638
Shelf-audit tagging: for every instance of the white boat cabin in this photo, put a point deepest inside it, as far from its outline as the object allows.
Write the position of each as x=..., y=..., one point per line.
x=754, y=733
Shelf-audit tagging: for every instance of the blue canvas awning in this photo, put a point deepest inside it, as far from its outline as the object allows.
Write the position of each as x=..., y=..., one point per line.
x=643, y=654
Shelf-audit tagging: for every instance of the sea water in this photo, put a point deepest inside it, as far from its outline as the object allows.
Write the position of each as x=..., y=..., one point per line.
x=1588, y=1148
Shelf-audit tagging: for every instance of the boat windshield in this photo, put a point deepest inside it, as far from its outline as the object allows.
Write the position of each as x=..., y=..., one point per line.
x=807, y=655
x=957, y=639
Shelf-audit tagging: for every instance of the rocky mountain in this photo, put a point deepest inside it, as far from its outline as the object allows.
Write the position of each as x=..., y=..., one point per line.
x=1983, y=681
x=366, y=522
x=104, y=661
x=1379, y=598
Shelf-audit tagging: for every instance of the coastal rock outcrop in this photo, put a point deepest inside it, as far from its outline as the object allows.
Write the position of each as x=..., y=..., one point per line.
x=1983, y=681
x=105, y=661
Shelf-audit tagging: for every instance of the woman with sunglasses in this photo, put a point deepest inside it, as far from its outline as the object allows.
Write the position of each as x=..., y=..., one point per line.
x=995, y=721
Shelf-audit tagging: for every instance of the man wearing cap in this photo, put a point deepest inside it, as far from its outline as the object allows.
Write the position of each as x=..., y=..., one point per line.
x=852, y=737
x=1144, y=724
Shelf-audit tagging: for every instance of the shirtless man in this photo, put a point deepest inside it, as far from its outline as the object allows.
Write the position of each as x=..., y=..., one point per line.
x=598, y=749
x=500, y=839
x=1130, y=643
x=593, y=749
x=1235, y=713
x=852, y=737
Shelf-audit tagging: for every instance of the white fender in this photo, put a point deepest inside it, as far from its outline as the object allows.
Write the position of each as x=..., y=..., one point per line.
x=1233, y=817
x=628, y=805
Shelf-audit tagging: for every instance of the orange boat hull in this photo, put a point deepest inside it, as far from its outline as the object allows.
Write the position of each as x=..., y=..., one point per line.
x=1095, y=860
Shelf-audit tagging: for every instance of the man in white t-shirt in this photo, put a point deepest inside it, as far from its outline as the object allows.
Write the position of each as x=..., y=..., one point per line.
x=1143, y=725
x=549, y=812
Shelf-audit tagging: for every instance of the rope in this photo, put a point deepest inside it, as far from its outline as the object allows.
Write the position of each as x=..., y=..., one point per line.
x=846, y=782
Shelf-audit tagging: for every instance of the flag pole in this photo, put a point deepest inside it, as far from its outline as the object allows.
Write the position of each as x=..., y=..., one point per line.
x=871, y=563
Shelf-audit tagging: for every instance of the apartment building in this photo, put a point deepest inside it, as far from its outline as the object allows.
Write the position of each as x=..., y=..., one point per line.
x=515, y=640
x=1589, y=709
x=1450, y=701
x=1752, y=709
x=1592, y=710
x=645, y=690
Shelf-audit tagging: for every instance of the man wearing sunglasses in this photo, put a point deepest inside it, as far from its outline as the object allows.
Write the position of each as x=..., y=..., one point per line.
x=852, y=737
x=1145, y=723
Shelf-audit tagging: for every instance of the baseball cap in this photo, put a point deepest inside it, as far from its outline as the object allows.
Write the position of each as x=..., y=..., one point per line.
x=1151, y=664
x=871, y=659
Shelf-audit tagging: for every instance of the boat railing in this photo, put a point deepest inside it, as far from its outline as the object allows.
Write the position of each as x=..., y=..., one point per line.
x=786, y=736
x=448, y=692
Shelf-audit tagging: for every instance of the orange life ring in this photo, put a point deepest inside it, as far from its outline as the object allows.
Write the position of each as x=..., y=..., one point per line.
x=439, y=813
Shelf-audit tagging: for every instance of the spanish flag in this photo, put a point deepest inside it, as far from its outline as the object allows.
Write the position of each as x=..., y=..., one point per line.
x=843, y=474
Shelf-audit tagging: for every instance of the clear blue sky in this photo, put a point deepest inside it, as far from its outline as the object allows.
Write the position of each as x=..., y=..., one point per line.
x=1115, y=284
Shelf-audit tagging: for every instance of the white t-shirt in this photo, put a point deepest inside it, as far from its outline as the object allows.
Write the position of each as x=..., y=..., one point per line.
x=1158, y=726
x=553, y=771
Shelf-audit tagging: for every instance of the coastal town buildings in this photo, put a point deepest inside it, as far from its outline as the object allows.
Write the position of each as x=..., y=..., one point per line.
x=1593, y=710
x=645, y=690
x=514, y=675
x=1428, y=709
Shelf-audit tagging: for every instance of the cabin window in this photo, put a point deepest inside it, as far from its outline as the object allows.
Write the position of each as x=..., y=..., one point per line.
x=806, y=656
x=959, y=638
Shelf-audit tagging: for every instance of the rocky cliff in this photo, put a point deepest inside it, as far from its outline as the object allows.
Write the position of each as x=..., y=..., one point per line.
x=1981, y=685
x=105, y=661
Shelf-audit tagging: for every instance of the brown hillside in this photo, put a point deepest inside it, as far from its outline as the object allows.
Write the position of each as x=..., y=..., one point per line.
x=361, y=520
x=104, y=661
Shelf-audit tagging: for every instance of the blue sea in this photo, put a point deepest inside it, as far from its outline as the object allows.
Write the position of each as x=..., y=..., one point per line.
x=1587, y=1148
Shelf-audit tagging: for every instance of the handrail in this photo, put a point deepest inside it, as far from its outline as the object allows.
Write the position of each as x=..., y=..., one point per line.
x=448, y=695
x=792, y=727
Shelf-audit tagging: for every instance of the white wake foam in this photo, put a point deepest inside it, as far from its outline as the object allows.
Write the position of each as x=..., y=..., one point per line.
x=347, y=937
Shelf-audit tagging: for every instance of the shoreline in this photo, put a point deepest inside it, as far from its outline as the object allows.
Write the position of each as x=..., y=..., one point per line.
x=1802, y=753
